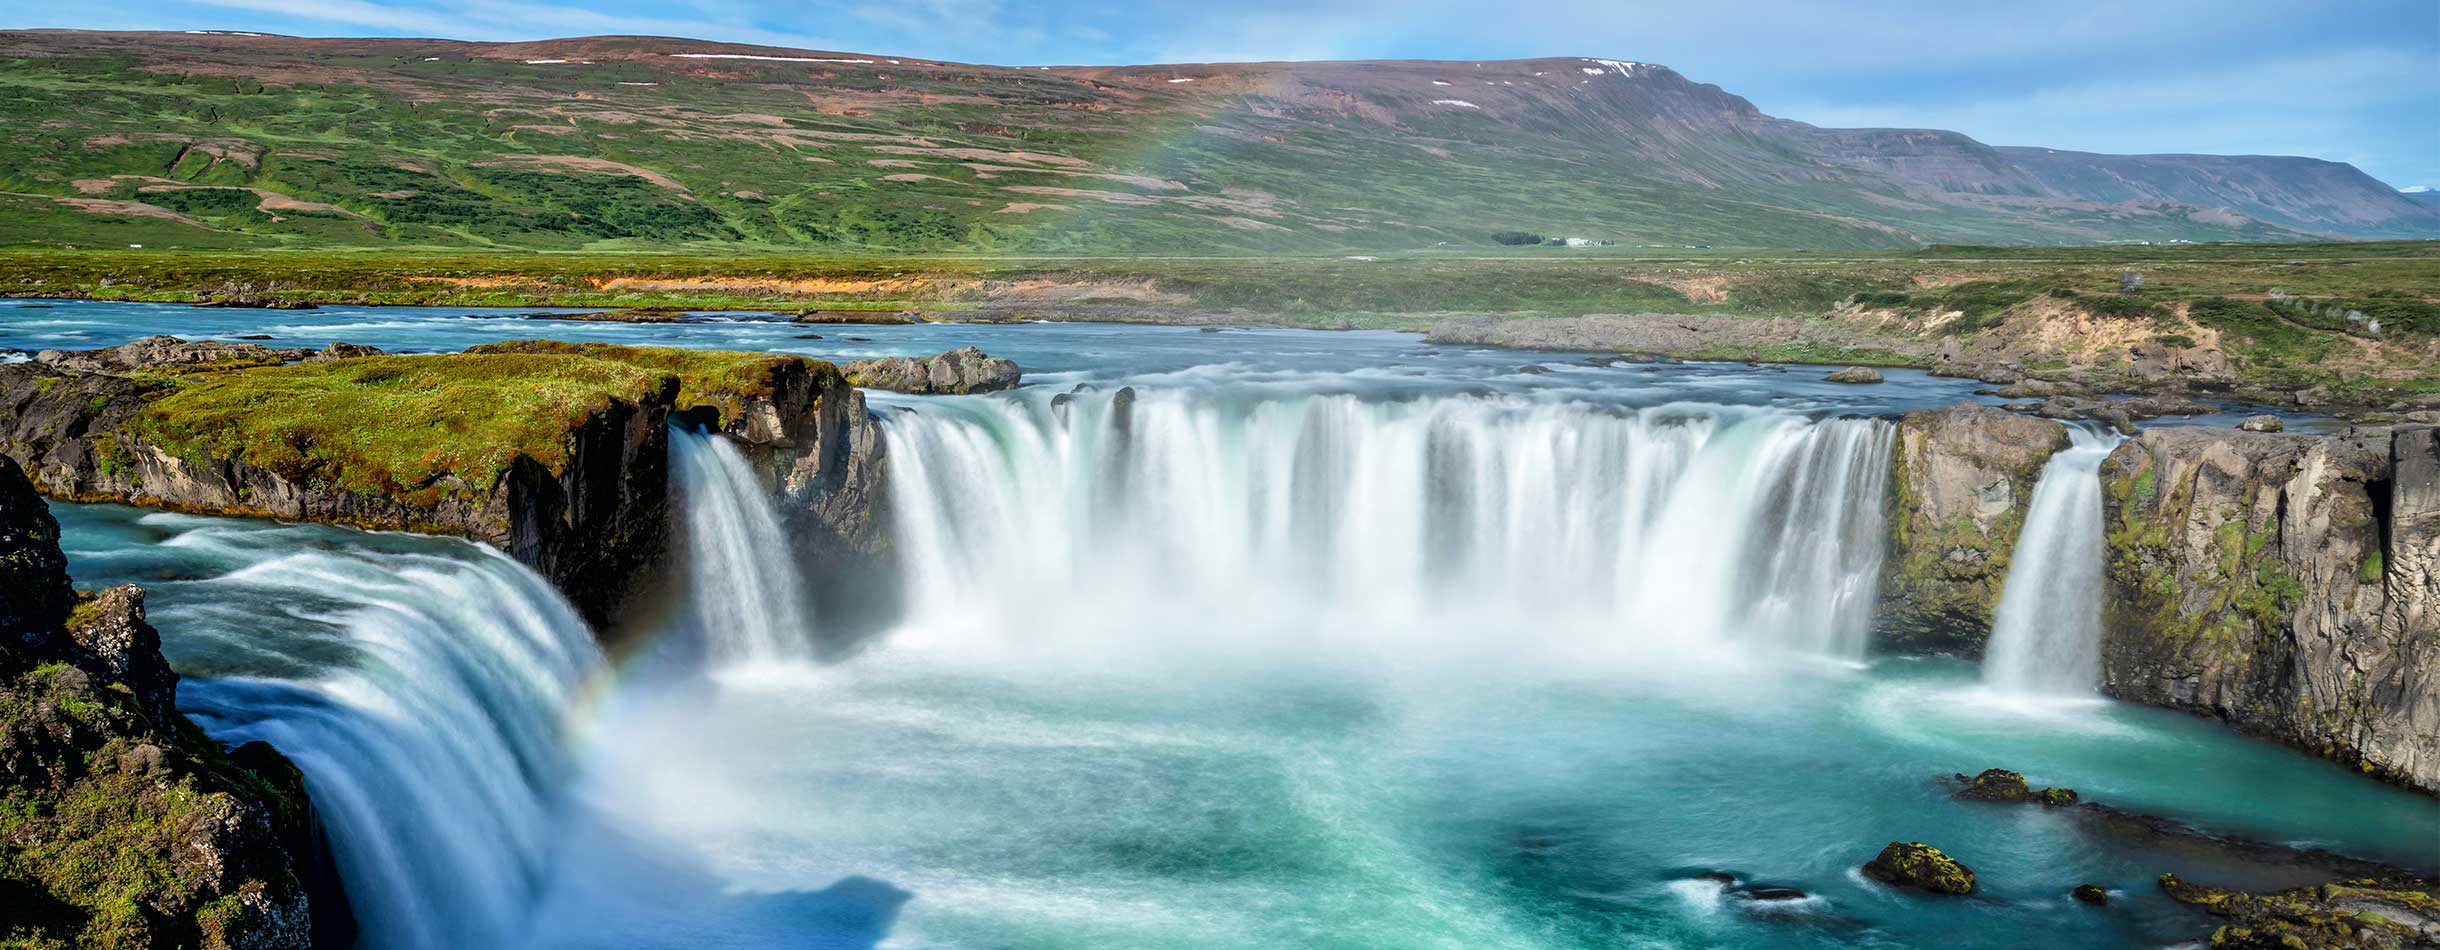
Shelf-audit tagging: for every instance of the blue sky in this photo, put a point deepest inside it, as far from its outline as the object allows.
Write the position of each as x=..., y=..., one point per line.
x=2350, y=81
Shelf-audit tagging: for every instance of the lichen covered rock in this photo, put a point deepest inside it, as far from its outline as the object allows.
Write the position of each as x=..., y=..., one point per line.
x=2346, y=914
x=1961, y=479
x=1918, y=865
x=2283, y=583
x=2001, y=785
x=1855, y=374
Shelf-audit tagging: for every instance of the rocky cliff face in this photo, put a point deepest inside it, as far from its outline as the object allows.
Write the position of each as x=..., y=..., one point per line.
x=588, y=524
x=821, y=450
x=1960, y=481
x=2283, y=583
x=594, y=517
x=121, y=823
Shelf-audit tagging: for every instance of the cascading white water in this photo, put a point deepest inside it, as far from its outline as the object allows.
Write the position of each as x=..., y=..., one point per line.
x=749, y=598
x=433, y=751
x=2046, y=637
x=1672, y=524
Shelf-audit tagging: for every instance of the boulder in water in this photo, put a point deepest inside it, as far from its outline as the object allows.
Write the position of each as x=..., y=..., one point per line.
x=2001, y=785
x=2090, y=894
x=2262, y=423
x=1855, y=374
x=956, y=372
x=1918, y=865
x=1994, y=785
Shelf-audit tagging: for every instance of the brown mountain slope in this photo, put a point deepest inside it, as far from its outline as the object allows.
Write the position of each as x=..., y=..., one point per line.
x=243, y=140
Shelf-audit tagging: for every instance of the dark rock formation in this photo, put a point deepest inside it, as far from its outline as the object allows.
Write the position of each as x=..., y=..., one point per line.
x=1919, y=865
x=2347, y=914
x=121, y=824
x=2283, y=583
x=592, y=521
x=956, y=372
x=808, y=431
x=2001, y=785
x=1855, y=374
x=589, y=526
x=2090, y=894
x=1960, y=481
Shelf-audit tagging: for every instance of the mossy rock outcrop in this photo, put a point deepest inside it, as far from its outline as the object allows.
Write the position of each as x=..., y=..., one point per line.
x=1961, y=479
x=556, y=453
x=2286, y=583
x=1918, y=865
x=2344, y=915
x=2001, y=785
x=121, y=824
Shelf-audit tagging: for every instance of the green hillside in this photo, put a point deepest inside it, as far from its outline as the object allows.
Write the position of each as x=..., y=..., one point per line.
x=627, y=143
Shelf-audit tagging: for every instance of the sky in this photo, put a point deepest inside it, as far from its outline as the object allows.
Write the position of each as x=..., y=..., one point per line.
x=2355, y=81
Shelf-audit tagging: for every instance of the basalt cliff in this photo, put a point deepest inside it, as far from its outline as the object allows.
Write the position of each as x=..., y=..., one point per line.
x=2287, y=584
x=554, y=453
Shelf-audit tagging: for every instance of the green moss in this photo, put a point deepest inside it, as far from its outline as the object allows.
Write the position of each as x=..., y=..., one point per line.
x=393, y=425
x=721, y=379
x=418, y=428
x=2370, y=572
x=1915, y=864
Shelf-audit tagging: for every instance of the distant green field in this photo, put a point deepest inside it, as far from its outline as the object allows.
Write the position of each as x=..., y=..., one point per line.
x=1552, y=281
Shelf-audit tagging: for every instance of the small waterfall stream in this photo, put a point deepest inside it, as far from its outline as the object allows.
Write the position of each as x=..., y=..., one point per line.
x=2046, y=637
x=749, y=599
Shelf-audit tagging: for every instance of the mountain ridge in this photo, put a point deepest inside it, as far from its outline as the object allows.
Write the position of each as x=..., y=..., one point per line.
x=227, y=139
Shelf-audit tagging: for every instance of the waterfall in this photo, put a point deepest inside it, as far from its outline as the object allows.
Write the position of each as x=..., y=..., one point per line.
x=2046, y=637
x=431, y=746
x=1672, y=524
x=748, y=597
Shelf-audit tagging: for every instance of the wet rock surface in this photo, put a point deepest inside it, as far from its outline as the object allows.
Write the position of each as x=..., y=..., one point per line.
x=1921, y=866
x=2362, y=913
x=1961, y=480
x=2001, y=785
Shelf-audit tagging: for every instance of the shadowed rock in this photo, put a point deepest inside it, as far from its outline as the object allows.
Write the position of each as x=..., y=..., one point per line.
x=1918, y=865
